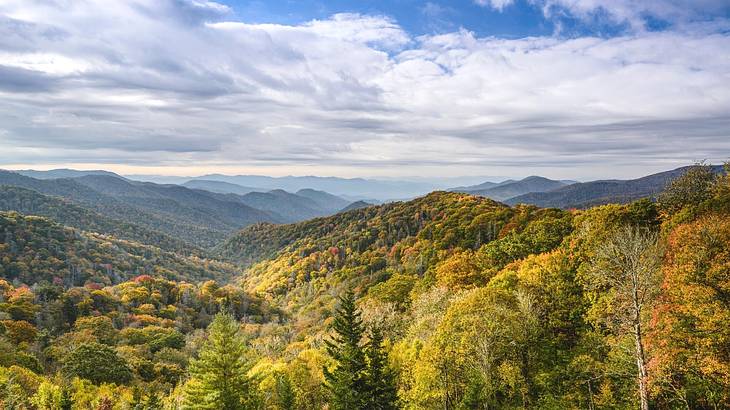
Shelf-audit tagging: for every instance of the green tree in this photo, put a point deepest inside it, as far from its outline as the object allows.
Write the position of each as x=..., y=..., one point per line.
x=13, y=395
x=219, y=377
x=66, y=399
x=48, y=397
x=691, y=188
x=348, y=381
x=97, y=363
x=381, y=379
x=153, y=402
x=286, y=398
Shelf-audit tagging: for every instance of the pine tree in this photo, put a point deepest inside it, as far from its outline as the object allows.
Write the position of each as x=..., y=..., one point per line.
x=347, y=383
x=219, y=378
x=381, y=379
x=66, y=399
x=286, y=398
x=153, y=402
x=136, y=403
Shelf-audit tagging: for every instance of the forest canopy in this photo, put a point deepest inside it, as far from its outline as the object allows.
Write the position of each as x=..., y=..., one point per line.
x=448, y=301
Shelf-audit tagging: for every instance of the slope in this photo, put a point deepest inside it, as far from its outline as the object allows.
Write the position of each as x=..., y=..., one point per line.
x=355, y=205
x=34, y=249
x=30, y=202
x=324, y=200
x=219, y=187
x=584, y=195
x=508, y=190
x=291, y=207
x=177, y=202
x=193, y=216
x=301, y=267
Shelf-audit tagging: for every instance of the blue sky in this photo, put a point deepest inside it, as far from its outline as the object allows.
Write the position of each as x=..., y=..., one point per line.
x=569, y=89
x=417, y=17
x=513, y=19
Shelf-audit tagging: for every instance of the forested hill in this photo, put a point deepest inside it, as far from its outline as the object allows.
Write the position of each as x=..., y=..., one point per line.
x=478, y=304
x=364, y=246
x=188, y=225
x=375, y=226
x=31, y=202
x=510, y=189
x=588, y=194
x=35, y=249
x=154, y=213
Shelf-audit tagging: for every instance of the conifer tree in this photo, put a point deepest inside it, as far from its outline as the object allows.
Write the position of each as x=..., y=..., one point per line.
x=286, y=398
x=66, y=399
x=382, y=388
x=348, y=382
x=153, y=402
x=219, y=378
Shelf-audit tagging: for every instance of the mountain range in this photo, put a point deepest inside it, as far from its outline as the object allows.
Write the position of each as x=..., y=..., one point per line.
x=107, y=263
x=566, y=194
x=352, y=189
x=201, y=213
x=168, y=215
x=511, y=188
x=587, y=194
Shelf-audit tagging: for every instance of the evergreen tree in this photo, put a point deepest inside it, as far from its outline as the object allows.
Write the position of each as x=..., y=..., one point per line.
x=153, y=402
x=66, y=399
x=383, y=393
x=136, y=399
x=348, y=382
x=286, y=398
x=219, y=378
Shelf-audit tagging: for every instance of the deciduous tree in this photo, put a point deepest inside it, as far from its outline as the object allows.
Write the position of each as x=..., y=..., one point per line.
x=627, y=267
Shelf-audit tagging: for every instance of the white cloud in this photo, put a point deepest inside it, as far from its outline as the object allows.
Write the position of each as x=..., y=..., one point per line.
x=631, y=12
x=152, y=82
x=495, y=4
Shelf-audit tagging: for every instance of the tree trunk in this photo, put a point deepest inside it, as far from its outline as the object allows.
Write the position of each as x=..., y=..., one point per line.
x=640, y=360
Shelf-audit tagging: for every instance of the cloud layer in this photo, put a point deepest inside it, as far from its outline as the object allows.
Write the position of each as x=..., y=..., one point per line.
x=179, y=83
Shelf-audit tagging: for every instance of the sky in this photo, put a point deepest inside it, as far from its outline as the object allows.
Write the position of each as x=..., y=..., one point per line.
x=573, y=89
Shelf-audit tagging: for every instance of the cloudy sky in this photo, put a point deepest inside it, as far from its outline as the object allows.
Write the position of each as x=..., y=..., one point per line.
x=563, y=88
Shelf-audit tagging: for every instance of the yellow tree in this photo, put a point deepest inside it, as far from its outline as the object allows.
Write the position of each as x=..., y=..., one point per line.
x=627, y=267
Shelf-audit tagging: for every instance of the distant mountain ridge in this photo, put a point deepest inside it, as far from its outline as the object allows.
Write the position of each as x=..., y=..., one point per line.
x=201, y=213
x=219, y=187
x=63, y=173
x=587, y=194
x=356, y=205
x=360, y=187
x=30, y=202
x=511, y=188
x=194, y=220
x=324, y=200
x=160, y=212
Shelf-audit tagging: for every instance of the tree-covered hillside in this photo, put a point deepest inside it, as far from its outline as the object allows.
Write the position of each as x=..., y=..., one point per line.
x=35, y=249
x=185, y=228
x=449, y=301
x=594, y=193
x=30, y=202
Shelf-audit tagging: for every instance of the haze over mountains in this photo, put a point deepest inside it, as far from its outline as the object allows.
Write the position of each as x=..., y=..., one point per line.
x=511, y=188
x=215, y=205
x=587, y=194
x=161, y=213
x=371, y=190
x=157, y=260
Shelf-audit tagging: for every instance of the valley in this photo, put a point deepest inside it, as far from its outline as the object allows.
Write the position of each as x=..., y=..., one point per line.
x=475, y=300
